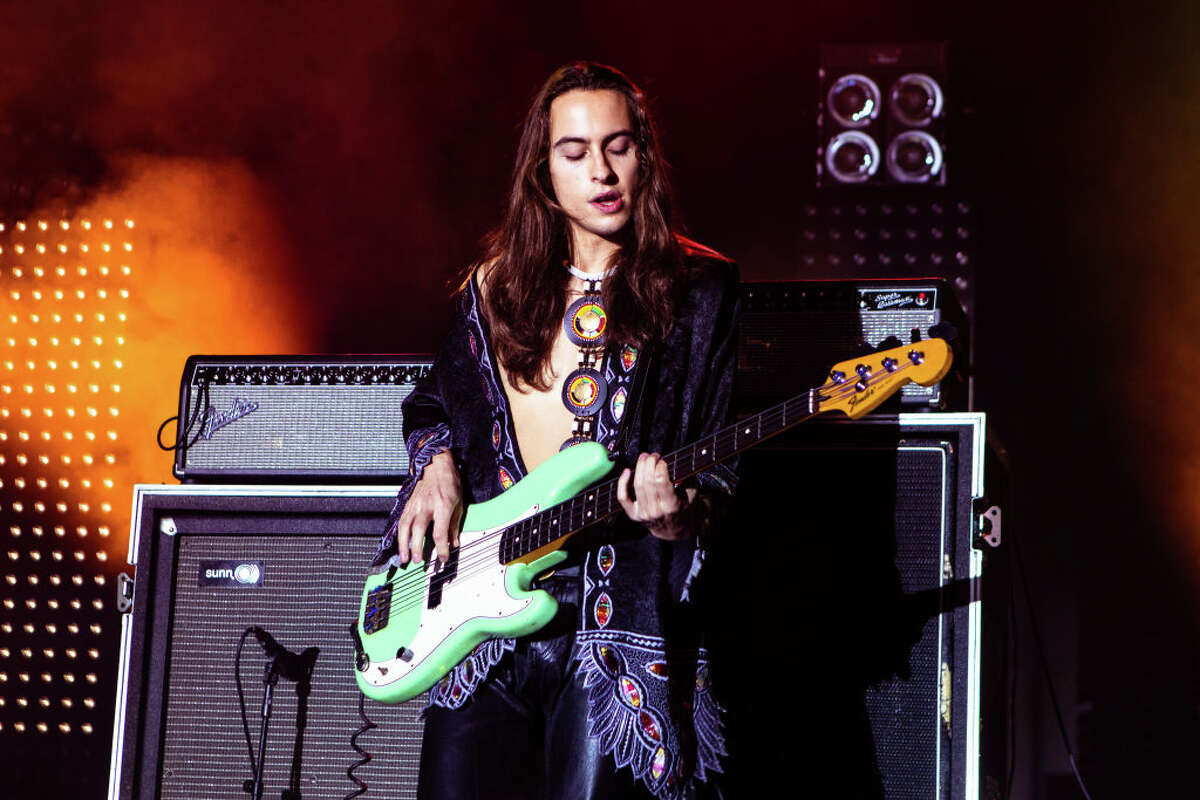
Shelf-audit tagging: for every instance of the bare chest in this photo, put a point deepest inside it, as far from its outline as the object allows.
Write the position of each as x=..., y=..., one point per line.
x=541, y=421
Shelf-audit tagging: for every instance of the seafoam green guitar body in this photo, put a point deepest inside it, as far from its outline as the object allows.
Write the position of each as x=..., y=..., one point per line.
x=417, y=622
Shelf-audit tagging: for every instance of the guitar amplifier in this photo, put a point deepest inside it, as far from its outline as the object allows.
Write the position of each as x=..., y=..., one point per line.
x=211, y=562
x=792, y=330
x=308, y=418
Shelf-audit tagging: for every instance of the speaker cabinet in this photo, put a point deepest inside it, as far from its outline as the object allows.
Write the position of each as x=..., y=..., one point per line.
x=850, y=654
x=211, y=562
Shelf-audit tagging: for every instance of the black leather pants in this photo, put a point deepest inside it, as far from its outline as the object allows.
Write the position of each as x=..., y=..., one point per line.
x=523, y=734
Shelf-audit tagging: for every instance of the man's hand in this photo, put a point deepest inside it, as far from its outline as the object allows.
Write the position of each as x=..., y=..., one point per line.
x=663, y=509
x=437, y=498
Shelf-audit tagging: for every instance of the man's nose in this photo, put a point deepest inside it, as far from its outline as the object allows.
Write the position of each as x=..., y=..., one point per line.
x=602, y=171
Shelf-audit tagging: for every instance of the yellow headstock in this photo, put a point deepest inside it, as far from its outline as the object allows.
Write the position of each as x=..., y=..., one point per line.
x=857, y=386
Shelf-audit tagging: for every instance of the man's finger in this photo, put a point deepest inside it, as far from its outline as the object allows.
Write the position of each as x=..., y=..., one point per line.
x=456, y=525
x=623, y=492
x=416, y=539
x=667, y=494
x=643, y=484
x=401, y=540
x=441, y=533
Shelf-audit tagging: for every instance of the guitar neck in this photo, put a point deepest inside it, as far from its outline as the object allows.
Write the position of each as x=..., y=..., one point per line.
x=742, y=435
x=855, y=386
x=599, y=502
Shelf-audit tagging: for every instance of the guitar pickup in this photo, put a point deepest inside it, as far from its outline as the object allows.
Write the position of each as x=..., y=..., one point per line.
x=379, y=604
x=441, y=575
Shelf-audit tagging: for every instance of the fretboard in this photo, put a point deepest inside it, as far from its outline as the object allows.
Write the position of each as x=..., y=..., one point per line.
x=600, y=501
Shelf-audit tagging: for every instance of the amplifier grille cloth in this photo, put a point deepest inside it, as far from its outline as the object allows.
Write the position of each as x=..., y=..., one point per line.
x=309, y=597
x=904, y=715
x=307, y=428
x=850, y=592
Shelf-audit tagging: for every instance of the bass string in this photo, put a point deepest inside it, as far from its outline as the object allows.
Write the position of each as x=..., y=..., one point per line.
x=480, y=558
x=777, y=417
x=478, y=561
x=480, y=555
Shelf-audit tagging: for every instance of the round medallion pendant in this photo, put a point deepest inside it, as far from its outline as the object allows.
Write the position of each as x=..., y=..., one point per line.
x=584, y=392
x=585, y=322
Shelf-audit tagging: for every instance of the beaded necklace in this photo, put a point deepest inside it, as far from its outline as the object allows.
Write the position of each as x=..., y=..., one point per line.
x=584, y=391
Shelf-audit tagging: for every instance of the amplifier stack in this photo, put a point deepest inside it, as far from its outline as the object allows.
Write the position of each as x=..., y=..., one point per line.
x=290, y=466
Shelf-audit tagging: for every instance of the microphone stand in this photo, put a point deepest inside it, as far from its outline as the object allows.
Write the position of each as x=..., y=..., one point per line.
x=307, y=659
x=270, y=678
x=296, y=668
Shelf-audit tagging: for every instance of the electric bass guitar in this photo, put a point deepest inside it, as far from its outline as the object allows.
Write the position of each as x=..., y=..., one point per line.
x=417, y=622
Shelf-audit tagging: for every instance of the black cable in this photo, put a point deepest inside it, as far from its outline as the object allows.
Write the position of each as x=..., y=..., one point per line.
x=196, y=415
x=1041, y=651
x=237, y=672
x=366, y=756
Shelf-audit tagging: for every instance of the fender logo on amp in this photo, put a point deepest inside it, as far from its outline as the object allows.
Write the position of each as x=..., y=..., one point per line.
x=215, y=420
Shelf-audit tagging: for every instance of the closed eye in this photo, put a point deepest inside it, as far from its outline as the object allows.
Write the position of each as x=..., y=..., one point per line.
x=620, y=144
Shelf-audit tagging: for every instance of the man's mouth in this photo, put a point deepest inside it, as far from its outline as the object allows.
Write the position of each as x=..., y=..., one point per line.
x=608, y=202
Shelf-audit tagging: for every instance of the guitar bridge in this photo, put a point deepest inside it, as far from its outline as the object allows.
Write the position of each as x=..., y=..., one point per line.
x=379, y=604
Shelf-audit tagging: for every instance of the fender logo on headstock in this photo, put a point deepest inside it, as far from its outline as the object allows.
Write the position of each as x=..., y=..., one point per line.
x=861, y=397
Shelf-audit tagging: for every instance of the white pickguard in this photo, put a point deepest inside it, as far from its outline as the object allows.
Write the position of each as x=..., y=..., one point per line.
x=477, y=592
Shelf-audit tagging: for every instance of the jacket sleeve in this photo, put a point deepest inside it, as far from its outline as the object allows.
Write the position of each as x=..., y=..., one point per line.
x=426, y=433
x=713, y=309
x=715, y=336
x=688, y=397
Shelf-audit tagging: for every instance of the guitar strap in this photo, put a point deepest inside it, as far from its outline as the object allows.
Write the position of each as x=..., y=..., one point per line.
x=641, y=374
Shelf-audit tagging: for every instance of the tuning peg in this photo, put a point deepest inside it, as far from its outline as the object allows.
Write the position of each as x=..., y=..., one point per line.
x=889, y=343
x=943, y=330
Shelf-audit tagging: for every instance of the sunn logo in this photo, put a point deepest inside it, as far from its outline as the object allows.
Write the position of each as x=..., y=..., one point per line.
x=231, y=573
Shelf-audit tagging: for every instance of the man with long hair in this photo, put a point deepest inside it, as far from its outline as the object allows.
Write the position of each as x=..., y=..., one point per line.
x=588, y=319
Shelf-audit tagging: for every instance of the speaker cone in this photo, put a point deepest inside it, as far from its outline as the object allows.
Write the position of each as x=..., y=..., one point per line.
x=914, y=157
x=852, y=157
x=853, y=100
x=916, y=99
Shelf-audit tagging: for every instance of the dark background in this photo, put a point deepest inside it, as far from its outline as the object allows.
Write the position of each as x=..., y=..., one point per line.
x=343, y=161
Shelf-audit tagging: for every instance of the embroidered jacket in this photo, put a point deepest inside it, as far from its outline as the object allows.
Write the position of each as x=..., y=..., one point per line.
x=638, y=646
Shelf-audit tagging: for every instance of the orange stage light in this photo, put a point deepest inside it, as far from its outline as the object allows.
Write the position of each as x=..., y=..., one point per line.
x=206, y=269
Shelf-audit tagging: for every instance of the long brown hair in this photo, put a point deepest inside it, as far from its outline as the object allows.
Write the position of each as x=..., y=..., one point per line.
x=526, y=283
